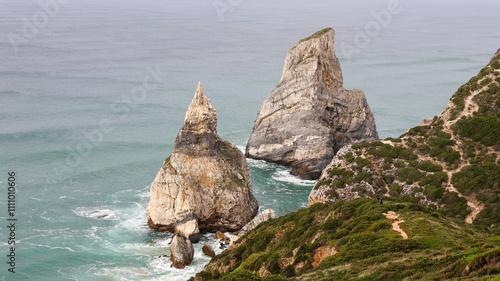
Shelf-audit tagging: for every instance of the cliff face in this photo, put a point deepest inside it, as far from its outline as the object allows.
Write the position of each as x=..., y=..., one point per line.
x=205, y=184
x=309, y=115
x=450, y=162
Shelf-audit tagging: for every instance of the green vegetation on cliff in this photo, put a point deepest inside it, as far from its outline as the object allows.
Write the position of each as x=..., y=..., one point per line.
x=349, y=240
x=450, y=163
x=316, y=35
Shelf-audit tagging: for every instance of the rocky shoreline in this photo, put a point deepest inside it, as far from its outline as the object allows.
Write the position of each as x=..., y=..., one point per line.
x=311, y=123
x=423, y=206
x=204, y=185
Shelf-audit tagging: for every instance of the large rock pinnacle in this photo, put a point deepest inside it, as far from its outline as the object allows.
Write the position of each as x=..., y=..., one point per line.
x=204, y=185
x=309, y=115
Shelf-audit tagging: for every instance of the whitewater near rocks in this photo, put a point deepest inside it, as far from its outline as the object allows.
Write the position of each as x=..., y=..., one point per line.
x=205, y=184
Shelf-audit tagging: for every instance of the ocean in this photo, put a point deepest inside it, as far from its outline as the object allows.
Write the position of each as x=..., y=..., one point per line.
x=93, y=94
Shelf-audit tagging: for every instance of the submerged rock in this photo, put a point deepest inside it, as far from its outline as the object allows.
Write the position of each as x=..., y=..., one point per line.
x=204, y=185
x=309, y=115
x=182, y=251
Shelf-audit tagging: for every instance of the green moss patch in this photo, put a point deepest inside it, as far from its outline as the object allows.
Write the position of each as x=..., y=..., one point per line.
x=316, y=35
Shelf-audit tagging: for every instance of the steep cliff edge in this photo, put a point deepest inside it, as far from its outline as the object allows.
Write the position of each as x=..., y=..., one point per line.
x=309, y=115
x=451, y=162
x=204, y=185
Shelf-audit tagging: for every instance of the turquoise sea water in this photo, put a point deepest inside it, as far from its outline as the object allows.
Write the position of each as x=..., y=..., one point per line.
x=85, y=143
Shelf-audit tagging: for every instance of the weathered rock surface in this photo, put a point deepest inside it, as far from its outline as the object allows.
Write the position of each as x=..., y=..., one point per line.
x=321, y=253
x=182, y=251
x=495, y=57
x=309, y=115
x=322, y=193
x=258, y=219
x=208, y=250
x=220, y=235
x=262, y=217
x=205, y=183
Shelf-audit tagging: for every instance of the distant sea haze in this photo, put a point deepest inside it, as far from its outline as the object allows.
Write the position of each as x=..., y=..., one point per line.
x=69, y=69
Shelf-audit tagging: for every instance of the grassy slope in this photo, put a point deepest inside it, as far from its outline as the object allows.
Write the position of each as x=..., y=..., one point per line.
x=368, y=248
x=451, y=162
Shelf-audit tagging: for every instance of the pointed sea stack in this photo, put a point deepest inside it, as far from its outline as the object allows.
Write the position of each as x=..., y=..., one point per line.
x=309, y=115
x=204, y=185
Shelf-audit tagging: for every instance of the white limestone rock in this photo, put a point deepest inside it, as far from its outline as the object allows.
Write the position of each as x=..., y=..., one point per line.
x=204, y=185
x=310, y=115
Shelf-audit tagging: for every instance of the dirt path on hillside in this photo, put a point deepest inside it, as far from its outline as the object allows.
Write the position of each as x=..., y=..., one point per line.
x=469, y=109
x=395, y=225
x=475, y=206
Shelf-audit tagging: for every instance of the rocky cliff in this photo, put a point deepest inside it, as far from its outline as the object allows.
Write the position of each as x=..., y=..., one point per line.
x=431, y=179
x=450, y=163
x=204, y=185
x=181, y=251
x=309, y=115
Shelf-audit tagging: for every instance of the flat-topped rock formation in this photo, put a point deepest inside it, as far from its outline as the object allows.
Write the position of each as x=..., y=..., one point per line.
x=310, y=115
x=204, y=185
